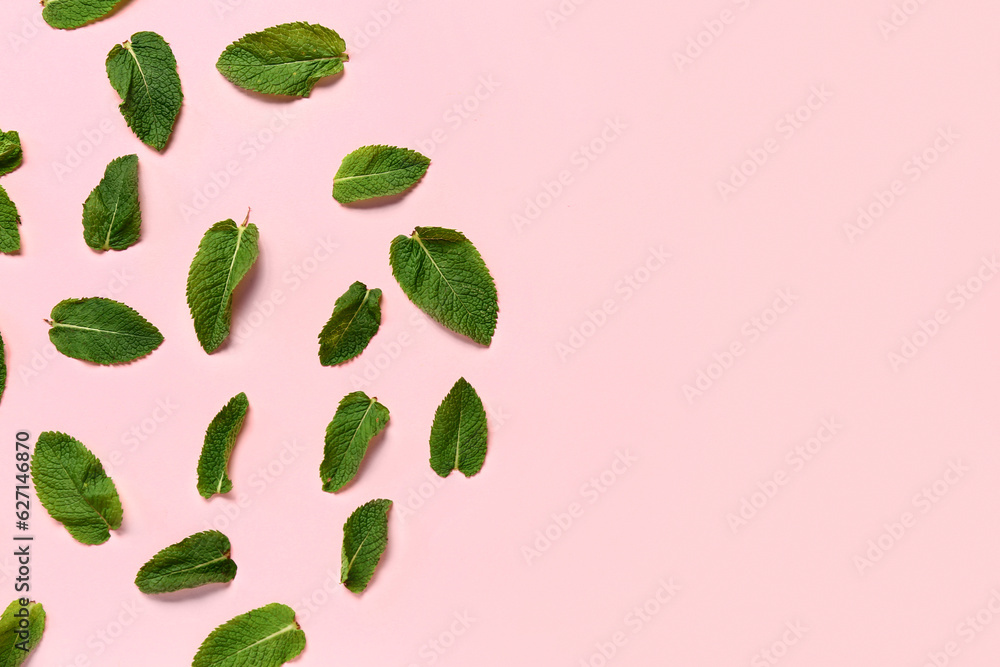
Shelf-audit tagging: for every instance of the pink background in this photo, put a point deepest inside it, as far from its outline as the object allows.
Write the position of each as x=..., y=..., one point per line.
x=585, y=369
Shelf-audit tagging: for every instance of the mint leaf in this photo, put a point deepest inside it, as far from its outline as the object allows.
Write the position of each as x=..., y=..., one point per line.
x=355, y=320
x=358, y=419
x=445, y=276
x=144, y=73
x=286, y=59
x=200, y=559
x=15, y=647
x=101, y=331
x=3, y=370
x=224, y=256
x=378, y=171
x=366, y=534
x=220, y=438
x=10, y=152
x=10, y=236
x=111, y=216
x=71, y=484
x=68, y=14
x=458, y=435
x=264, y=637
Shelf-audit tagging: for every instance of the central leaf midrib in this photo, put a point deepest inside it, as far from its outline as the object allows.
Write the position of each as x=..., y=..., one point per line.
x=189, y=569
x=288, y=628
x=226, y=290
x=447, y=282
x=103, y=331
x=341, y=179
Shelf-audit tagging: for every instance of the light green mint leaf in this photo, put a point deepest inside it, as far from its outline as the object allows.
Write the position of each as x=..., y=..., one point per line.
x=3, y=368
x=111, y=216
x=144, y=73
x=71, y=484
x=101, y=331
x=357, y=421
x=10, y=151
x=378, y=171
x=21, y=628
x=264, y=637
x=355, y=320
x=286, y=59
x=366, y=534
x=10, y=236
x=445, y=276
x=220, y=438
x=225, y=255
x=458, y=436
x=68, y=14
x=200, y=559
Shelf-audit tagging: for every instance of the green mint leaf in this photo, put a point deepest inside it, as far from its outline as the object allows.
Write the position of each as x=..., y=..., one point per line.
x=101, y=331
x=10, y=236
x=144, y=73
x=366, y=534
x=224, y=256
x=200, y=559
x=220, y=438
x=286, y=59
x=3, y=369
x=378, y=171
x=69, y=14
x=111, y=216
x=71, y=484
x=458, y=435
x=10, y=151
x=14, y=646
x=355, y=320
x=358, y=419
x=264, y=637
x=445, y=276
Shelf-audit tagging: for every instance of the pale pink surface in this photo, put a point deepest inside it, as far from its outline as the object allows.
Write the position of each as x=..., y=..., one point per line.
x=557, y=422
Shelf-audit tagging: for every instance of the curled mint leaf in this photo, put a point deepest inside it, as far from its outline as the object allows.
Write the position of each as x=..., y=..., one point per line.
x=286, y=59
x=69, y=14
x=220, y=439
x=144, y=73
x=72, y=486
x=264, y=637
x=10, y=235
x=10, y=151
x=101, y=331
x=358, y=419
x=445, y=276
x=355, y=320
x=111, y=216
x=378, y=171
x=458, y=435
x=200, y=559
x=21, y=628
x=225, y=255
x=366, y=535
